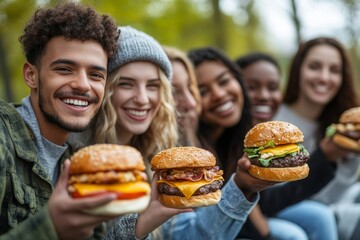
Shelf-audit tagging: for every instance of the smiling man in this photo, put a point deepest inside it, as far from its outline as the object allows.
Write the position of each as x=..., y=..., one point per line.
x=67, y=49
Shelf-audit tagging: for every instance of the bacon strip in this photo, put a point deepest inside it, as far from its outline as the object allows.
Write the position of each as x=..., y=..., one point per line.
x=191, y=174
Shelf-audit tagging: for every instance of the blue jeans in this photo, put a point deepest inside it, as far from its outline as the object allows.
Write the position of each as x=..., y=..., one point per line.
x=281, y=229
x=317, y=219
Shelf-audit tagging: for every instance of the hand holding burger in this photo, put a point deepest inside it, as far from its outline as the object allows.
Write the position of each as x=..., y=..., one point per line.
x=346, y=133
x=188, y=177
x=103, y=168
x=276, y=153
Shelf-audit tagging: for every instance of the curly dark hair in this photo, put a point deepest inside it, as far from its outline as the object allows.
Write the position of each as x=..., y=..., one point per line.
x=71, y=20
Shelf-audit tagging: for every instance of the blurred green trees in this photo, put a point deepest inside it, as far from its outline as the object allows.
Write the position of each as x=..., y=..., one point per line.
x=184, y=24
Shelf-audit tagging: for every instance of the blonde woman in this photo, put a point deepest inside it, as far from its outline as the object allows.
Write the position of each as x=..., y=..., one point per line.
x=186, y=95
x=138, y=109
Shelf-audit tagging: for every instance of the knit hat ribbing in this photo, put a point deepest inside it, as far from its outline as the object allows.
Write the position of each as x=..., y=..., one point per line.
x=135, y=45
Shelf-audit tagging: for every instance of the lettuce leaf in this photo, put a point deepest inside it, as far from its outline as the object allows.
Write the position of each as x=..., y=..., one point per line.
x=330, y=130
x=254, y=153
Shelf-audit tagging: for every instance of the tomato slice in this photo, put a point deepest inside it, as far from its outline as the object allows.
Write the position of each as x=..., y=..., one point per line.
x=120, y=195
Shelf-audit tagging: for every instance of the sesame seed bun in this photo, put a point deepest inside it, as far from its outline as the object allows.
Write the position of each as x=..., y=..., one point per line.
x=346, y=143
x=105, y=157
x=351, y=115
x=120, y=207
x=277, y=131
x=286, y=174
x=182, y=157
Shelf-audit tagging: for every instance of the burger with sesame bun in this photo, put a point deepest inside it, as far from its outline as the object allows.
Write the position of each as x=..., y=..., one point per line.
x=276, y=153
x=104, y=168
x=346, y=133
x=188, y=177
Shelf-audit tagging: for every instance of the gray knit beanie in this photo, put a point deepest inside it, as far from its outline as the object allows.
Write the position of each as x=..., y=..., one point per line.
x=135, y=45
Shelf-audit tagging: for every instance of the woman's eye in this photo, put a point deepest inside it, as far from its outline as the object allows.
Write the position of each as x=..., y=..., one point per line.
x=335, y=70
x=274, y=87
x=154, y=85
x=124, y=84
x=224, y=81
x=252, y=87
x=314, y=66
x=203, y=91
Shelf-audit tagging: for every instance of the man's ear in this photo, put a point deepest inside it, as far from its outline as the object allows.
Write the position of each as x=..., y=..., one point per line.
x=30, y=75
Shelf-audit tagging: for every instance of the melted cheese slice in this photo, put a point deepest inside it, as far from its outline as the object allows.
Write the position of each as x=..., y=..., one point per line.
x=130, y=187
x=188, y=188
x=282, y=149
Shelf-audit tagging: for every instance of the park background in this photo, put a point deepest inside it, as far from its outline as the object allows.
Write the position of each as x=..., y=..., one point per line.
x=235, y=26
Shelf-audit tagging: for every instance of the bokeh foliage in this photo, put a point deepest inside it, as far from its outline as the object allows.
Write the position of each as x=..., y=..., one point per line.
x=184, y=24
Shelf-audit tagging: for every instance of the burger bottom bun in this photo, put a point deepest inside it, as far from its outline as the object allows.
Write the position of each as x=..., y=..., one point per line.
x=195, y=201
x=280, y=174
x=346, y=143
x=120, y=207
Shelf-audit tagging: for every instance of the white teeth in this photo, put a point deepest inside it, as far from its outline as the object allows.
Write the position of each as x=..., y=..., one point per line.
x=76, y=102
x=321, y=88
x=224, y=107
x=262, y=109
x=137, y=113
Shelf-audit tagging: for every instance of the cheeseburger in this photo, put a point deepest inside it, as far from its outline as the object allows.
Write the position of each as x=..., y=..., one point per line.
x=276, y=153
x=346, y=133
x=188, y=177
x=104, y=168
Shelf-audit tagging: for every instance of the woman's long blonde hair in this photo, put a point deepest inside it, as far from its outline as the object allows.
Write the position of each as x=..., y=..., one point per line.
x=162, y=133
x=176, y=55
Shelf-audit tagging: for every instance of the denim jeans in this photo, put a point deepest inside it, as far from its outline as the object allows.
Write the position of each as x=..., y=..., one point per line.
x=281, y=229
x=317, y=219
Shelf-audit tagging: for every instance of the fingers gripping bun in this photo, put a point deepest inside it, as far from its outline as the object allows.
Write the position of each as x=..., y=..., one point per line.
x=278, y=132
x=180, y=157
x=195, y=201
x=280, y=174
x=346, y=143
x=104, y=157
x=351, y=115
x=120, y=207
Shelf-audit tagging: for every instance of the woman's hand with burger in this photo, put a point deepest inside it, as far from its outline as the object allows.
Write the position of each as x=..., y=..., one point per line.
x=247, y=183
x=346, y=133
x=273, y=153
